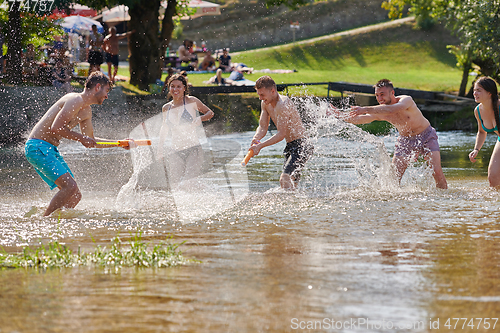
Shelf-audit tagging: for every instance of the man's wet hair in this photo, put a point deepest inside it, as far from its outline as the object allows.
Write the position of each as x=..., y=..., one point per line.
x=384, y=83
x=265, y=82
x=95, y=78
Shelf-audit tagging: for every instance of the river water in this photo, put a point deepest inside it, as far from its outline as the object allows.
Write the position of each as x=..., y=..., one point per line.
x=349, y=251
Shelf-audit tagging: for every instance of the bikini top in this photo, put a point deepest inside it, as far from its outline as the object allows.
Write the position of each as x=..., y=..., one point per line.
x=185, y=116
x=488, y=130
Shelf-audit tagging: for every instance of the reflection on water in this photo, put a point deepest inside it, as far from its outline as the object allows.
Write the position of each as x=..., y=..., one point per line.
x=349, y=245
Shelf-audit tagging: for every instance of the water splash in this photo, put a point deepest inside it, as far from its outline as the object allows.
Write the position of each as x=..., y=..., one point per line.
x=219, y=183
x=347, y=157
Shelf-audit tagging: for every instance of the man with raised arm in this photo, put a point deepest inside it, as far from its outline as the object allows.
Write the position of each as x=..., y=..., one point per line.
x=111, y=49
x=289, y=127
x=58, y=122
x=416, y=135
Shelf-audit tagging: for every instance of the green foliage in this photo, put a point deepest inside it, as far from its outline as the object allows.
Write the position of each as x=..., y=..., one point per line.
x=178, y=30
x=476, y=23
x=377, y=127
x=57, y=255
x=36, y=28
x=39, y=7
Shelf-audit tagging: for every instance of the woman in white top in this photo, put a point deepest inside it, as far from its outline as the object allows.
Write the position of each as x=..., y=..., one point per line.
x=181, y=121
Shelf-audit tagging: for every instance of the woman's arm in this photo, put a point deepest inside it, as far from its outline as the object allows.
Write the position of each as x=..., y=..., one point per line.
x=480, y=138
x=207, y=112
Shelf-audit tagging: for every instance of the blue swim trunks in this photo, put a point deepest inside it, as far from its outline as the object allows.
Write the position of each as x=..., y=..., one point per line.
x=46, y=160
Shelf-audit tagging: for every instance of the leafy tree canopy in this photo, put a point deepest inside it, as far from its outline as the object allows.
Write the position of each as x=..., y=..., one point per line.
x=475, y=22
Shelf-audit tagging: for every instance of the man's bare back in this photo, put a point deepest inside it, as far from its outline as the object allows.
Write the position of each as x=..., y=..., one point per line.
x=43, y=130
x=110, y=42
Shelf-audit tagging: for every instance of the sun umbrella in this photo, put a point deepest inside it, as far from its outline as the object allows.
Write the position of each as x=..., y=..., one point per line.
x=77, y=9
x=80, y=24
x=201, y=8
x=116, y=14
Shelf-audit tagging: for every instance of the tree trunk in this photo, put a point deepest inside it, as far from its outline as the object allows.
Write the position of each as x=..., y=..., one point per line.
x=465, y=78
x=145, y=63
x=14, y=69
x=167, y=26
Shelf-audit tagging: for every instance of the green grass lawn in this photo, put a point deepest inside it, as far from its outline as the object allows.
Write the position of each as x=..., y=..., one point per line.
x=409, y=57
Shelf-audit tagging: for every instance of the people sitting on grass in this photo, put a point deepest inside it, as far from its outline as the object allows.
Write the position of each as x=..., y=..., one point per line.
x=218, y=79
x=234, y=78
x=225, y=61
x=170, y=72
x=208, y=63
x=187, y=57
x=30, y=68
x=62, y=76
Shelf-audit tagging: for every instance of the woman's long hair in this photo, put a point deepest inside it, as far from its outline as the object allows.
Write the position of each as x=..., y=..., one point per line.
x=488, y=84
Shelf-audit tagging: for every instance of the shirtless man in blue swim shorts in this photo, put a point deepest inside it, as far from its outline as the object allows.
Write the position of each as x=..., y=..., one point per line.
x=57, y=123
x=416, y=135
x=289, y=126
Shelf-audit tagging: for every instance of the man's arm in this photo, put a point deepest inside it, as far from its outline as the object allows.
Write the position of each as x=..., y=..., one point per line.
x=263, y=125
x=404, y=103
x=87, y=129
x=126, y=34
x=60, y=125
x=281, y=126
x=361, y=119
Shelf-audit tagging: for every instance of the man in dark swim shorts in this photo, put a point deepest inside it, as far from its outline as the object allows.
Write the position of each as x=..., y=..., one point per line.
x=111, y=48
x=290, y=127
x=95, y=50
x=296, y=155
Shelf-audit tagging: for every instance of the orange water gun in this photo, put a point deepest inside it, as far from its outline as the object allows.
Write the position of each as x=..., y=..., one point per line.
x=247, y=158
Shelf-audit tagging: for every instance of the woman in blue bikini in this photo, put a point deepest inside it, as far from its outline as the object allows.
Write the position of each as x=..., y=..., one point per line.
x=180, y=121
x=486, y=113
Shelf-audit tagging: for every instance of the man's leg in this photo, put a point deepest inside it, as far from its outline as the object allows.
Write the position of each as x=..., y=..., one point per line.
x=114, y=73
x=219, y=77
x=68, y=196
x=400, y=164
x=109, y=70
x=286, y=182
x=434, y=160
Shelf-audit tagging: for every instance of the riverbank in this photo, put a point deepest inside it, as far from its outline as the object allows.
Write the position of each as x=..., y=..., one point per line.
x=22, y=107
x=121, y=112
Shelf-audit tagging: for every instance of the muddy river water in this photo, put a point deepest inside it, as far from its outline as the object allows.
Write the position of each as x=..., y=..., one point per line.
x=349, y=251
